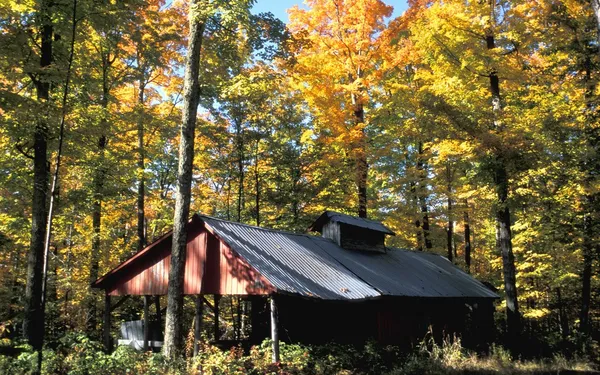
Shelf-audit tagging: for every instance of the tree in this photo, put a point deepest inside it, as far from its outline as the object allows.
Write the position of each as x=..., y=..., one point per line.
x=173, y=326
x=337, y=63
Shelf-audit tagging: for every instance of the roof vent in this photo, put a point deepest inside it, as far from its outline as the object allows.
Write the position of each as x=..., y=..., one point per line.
x=352, y=233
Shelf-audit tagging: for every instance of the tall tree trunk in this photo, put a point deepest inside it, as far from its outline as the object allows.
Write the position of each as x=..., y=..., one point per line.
x=257, y=184
x=33, y=322
x=98, y=191
x=141, y=232
x=422, y=195
x=362, y=167
x=239, y=135
x=450, y=231
x=173, y=345
x=502, y=211
x=591, y=168
x=419, y=231
x=467, y=225
x=54, y=193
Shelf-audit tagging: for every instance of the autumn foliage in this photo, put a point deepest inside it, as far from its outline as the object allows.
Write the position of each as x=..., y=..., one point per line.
x=471, y=128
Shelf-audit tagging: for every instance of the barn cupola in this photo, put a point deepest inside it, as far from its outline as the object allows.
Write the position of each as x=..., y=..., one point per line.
x=352, y=233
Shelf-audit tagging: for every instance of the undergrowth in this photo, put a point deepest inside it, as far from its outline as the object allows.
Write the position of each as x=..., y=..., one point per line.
x=78, y=355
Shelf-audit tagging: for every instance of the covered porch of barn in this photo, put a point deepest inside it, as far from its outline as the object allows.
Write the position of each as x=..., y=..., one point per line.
x=215, y=277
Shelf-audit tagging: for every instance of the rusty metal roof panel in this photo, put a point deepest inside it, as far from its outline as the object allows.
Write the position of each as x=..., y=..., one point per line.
x=293, y=263
x=350, y=220
x=411, y=274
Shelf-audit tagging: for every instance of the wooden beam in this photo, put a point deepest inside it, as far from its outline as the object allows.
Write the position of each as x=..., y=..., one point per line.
x=274, y=330
x=119, y=303
x=146, y=322
x=198, y=325
x=216, y=310
x=106, y=327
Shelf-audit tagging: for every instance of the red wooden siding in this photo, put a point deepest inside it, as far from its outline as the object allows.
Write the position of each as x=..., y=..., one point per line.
x=211, y=267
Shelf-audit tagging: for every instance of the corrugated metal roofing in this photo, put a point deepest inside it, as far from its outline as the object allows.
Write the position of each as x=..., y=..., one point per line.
x=350, y=220
x=293, y=263
x=317, y=267
x=411, y=273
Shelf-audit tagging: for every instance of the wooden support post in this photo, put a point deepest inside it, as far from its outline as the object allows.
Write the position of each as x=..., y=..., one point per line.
x=106, y=328
x=146, y=322
x=274, y=330
x=216, y=309
x=198, y=326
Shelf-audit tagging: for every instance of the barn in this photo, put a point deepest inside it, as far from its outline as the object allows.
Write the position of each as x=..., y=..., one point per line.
x=344, y=285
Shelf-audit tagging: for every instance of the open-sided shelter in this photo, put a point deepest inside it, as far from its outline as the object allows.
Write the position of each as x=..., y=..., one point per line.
x=343, y=286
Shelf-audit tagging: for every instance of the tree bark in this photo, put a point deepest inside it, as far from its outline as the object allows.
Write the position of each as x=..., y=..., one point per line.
x=98, y=186
x=422, y=195
x=239, y=135
x=362, y=167
x=450, y=231
x=173, y=344
x=257, y=183
x=141, y=233
x=596, y=9
x=502, y=211
x=33, y=322
x=467, y=237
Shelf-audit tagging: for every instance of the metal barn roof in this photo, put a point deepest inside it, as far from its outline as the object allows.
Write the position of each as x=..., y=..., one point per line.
x=317, y=267
x=293, y=263
x=350, y=220
x=411, y=273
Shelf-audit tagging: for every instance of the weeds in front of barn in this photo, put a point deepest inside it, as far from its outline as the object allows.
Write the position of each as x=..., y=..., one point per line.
x=78, y=355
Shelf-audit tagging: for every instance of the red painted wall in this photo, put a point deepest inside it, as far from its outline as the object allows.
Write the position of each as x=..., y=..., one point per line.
x=211, y=267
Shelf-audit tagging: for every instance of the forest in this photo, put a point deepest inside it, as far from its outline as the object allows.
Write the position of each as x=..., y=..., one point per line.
x=470, y=128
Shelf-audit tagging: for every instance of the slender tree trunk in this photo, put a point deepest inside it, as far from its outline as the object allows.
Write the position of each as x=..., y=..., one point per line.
x=422, y=196
x=257, y=184
x=362, y=167
x=502, y=211
x=54, y=188
x=419, y=231
x=140, y=166
x=98, y=186
x=33, y=322
x=467, y=237
x=173, y=344
x=239, y=142
x=590, y=168
x=596, y=9
x=450, y=231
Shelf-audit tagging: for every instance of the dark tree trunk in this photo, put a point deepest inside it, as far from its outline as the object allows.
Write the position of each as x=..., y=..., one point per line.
x=419, y=232
x=141, y=232
x=173, y=344
x=98, y=186
x=591, y=168
x=239, y=135
x=562, y=316
x=502, y=211
x=362, y=167
x=467, y=237
x=450, y=231
x=257, y=184
x=422, y=196
x=33, y=322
